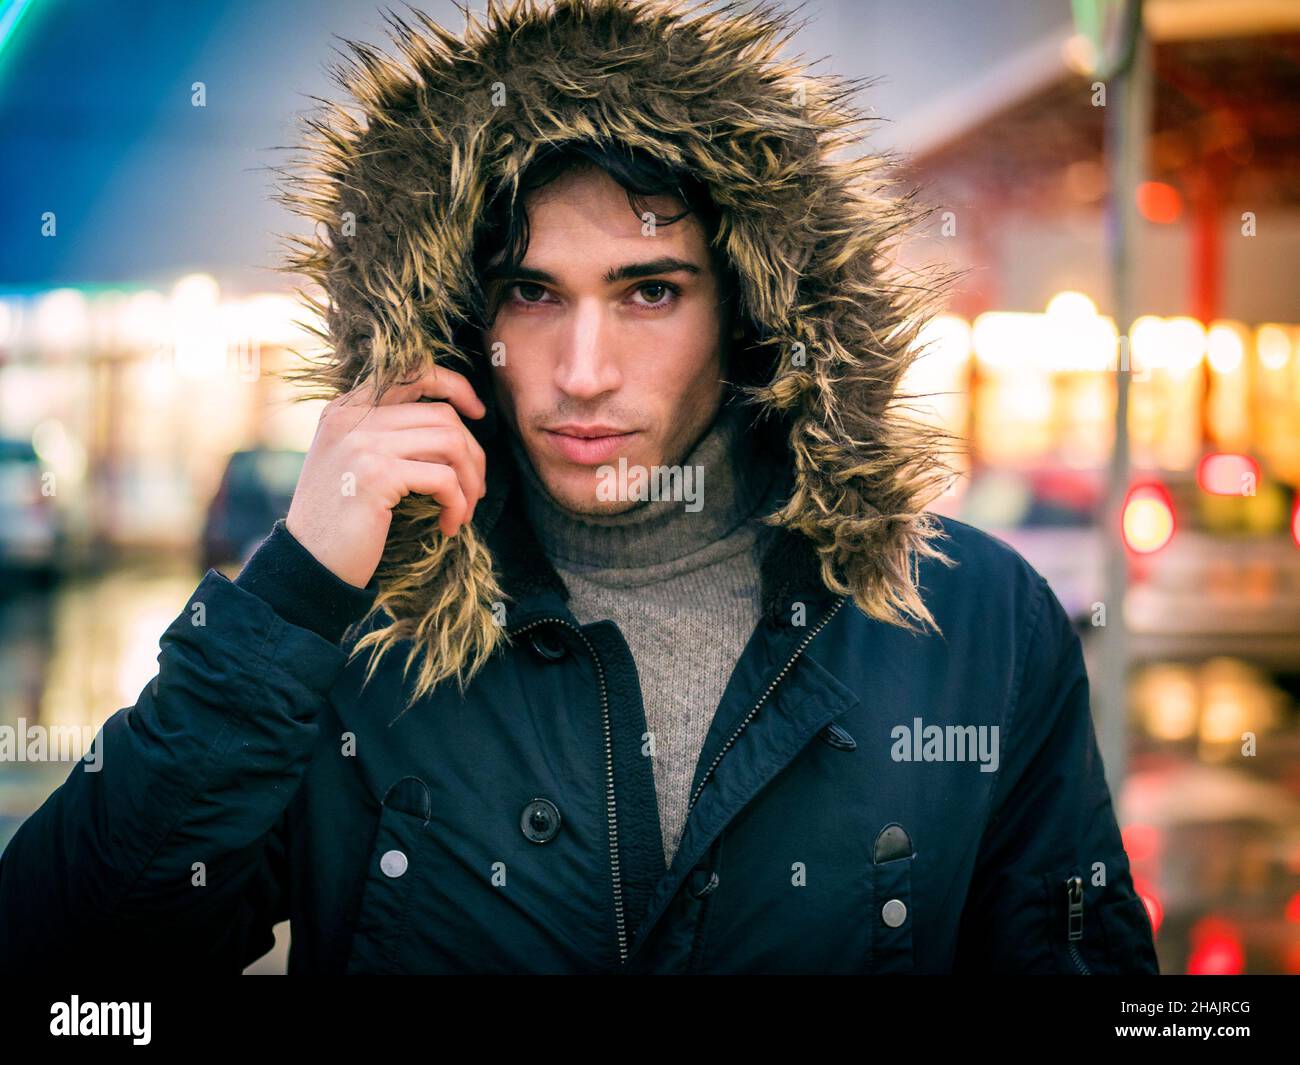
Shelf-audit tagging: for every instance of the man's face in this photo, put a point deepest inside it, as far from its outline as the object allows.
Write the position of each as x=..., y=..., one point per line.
x=611, y=349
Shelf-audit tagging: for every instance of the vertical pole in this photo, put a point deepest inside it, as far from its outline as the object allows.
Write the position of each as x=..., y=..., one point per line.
x=1127, y=123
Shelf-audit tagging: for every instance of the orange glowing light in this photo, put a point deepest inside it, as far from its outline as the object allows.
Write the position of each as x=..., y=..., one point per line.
x=1158, y=202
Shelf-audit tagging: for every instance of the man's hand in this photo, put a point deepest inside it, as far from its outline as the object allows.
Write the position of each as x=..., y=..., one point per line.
x=402, y=445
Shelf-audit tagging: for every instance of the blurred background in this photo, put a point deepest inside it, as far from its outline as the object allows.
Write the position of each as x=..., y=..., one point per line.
x=1121, y=361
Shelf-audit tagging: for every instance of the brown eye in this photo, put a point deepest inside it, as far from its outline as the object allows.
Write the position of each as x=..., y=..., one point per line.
x=657, y=293
x=521, y=286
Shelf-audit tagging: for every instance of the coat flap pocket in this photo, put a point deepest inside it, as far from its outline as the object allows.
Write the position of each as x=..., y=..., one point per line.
x=395, y=858
x=891, y=916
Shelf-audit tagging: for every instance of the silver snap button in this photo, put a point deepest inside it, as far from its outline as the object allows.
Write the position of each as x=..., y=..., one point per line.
x=393, y=863
x=894, y=913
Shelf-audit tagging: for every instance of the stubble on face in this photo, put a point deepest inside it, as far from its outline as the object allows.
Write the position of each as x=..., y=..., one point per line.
x=591, y=352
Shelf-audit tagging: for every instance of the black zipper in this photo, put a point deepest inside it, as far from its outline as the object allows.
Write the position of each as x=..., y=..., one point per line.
x=610, y=808
x=609, y=755
x=698, y=939
x=1074, y=921
x=825, y=620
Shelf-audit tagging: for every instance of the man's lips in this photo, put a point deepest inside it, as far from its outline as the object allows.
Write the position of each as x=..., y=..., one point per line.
x=587, y=444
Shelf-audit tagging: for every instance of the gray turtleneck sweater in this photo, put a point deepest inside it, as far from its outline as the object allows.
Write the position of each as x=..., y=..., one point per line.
x=682, y=586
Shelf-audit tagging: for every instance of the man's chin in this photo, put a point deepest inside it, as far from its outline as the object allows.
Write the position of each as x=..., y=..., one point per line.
x=580, y=495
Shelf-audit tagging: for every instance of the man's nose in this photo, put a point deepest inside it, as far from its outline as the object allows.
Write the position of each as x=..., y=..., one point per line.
x=588, y=365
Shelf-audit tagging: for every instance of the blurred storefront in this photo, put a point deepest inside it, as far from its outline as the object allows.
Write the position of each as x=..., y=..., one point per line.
x=1025, y=371
x=132, y=401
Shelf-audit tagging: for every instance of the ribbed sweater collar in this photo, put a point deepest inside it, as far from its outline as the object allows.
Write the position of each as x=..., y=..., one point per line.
x=734, y=489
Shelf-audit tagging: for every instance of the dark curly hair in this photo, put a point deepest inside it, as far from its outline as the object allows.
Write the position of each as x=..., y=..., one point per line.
x=502, y=240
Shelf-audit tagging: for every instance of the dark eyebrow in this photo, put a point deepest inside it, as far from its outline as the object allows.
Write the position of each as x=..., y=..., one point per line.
x=665, y=265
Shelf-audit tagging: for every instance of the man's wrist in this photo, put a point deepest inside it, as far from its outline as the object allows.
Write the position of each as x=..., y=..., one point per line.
x=300, y=589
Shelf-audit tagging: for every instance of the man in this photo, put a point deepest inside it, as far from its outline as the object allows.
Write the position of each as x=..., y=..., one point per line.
x=686, y=679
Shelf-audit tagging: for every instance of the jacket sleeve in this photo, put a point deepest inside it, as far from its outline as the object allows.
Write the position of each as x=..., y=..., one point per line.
x=165, y=847
x=1052, y=820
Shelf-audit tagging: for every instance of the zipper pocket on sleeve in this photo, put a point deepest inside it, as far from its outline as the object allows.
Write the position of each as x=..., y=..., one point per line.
x=1074, y=921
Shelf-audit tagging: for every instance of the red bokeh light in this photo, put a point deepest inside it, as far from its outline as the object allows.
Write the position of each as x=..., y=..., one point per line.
x=1155, y=909
x=1148, y=518
x=1141, y=842
x=1226, y=474
x=1216, y=949
x=1158, y=202
x=1292, y=910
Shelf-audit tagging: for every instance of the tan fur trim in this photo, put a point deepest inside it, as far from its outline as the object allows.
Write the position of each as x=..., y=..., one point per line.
x=807, y=226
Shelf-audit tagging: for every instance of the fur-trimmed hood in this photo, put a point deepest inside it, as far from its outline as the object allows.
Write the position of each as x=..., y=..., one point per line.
x=395, y=180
